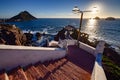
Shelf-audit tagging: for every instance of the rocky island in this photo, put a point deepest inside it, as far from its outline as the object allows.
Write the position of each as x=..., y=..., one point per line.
x=97, y=18
x=22, y=16
x=110, y=18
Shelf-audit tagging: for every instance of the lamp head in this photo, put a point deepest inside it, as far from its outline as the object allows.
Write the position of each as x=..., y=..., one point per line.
x=76, y=10
x=94, y=10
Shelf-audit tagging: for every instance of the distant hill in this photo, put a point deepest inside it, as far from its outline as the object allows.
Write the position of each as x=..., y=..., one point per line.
x=22, y=16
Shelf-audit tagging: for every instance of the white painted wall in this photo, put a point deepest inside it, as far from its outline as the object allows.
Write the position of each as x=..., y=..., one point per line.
x=11, y=56
x=87, y=48
x=66, y=42
x=98, y=73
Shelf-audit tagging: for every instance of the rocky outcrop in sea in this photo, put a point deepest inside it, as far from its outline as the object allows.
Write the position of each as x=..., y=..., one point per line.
x=110, y=18
x=70, y=32
x=11, y=35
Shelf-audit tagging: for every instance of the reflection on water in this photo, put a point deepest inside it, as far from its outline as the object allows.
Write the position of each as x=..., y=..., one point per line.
x=91, y=23
x=91, y=28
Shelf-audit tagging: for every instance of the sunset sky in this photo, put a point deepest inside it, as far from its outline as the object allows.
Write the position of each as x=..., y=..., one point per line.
x=59, y=8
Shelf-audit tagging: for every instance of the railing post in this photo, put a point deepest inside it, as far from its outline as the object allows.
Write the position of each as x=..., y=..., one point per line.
x=100, y=48
x=98, y=72
x=99, y=51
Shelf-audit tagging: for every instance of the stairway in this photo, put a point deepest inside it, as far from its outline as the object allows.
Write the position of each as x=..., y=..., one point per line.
x=61, y=69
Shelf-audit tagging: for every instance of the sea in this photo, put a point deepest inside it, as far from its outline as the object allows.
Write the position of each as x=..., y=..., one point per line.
x=107, y=30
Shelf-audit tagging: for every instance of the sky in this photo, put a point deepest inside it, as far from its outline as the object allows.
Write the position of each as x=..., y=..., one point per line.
x=59, y=8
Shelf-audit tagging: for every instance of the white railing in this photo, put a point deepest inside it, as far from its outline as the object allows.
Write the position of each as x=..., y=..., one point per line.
x=11, y=56
x=98, y=72
x=82, y=45
x=87, y=48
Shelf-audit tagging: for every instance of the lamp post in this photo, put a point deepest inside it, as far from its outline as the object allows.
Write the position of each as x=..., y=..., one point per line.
x=76, y=10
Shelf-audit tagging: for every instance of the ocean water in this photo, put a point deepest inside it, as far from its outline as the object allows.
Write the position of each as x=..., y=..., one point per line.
x=108, y=31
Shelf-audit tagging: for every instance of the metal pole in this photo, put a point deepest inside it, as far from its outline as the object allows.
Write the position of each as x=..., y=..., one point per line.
x=80, y=28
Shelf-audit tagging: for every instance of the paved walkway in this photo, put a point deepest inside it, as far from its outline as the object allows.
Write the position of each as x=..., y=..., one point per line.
x=81, y=58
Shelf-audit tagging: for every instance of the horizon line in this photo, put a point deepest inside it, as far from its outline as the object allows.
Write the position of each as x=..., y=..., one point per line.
x=67, y=18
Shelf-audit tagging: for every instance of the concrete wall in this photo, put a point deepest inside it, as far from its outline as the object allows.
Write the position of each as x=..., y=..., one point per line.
x=11, y=56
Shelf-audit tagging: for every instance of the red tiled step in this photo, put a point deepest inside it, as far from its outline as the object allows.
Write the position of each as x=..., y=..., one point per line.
x=46, y=74
x=51, y=77
x=32, y=73
x=77, y=70
x=72, y=71
x=4, y=76
x=68, y=73
x=42, y=70
x=61, y=76
x=17, y=74
x=59, y=62
x=61, y=69
x=54, y=69
x=50, y=67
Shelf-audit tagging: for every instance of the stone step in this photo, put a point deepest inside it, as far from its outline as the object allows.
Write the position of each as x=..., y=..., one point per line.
x=32, y=73
x=4, y=76
x=17, y=74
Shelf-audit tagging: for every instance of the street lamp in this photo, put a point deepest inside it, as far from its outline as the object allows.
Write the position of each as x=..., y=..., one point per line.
x=76, y=10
